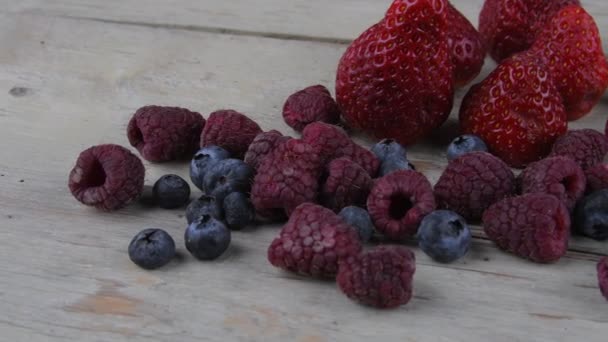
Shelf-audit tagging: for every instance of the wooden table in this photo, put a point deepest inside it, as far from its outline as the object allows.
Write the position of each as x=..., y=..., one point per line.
x=71, y=74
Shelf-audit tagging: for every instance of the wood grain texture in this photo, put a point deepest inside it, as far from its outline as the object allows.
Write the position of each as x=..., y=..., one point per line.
x=67, y=83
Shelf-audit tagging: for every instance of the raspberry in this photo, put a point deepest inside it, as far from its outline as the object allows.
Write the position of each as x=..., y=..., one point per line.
x=532, y=226
x=602, y=276
x=261, y=147
x=231, y=131
x=163, y=134
x=399, y=201
x=310, y=105
x=473, y=182
x=107, y=177
x=313, y=241
x=335, y=143
x=587, y=147
x=381, y=277
x=346, y=184
x=557, y=176
x=597, y=177
x=288, y=177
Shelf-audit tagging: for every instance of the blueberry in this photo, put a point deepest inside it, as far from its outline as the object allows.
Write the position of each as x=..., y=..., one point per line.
x=226, y=177
x=389, y=147
x=151, y=248
x=207, y=238
x=444, y=236
x=359, y=219
x=238, y=210
x=204, y=205
x=591, y=215
x=465, y=144
x=203, y=160
x=395, y=164
x=171, y=191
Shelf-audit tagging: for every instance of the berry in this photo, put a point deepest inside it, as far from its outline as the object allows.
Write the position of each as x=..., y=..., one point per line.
x=395, y=164
x=227, y=176
x=473, y=182
x=238, y=210
x=587, y=147
x=602, y=276
x=508, y=26
x=207, y=238
x=313, y=241
x=171, y=191
x=381, y=277
x=204, y=205
x=467, y=49
x=444, y=236
x=398, y=202
x=389, y=148
x=288, y=177
x=396, y=80
x=163, y=134
x=152, y=248
x=359, y=219
x=107, y=177
x=262, y=146
x=591, y=216
x=517, y=111
x=203, y=160
x=465, y=144
x=557, y=176
x=334, y=143
x=310, y=105
x=571, y=48
x=346, y=184
x=532, y=226
x=597, y=177
x=230, y=130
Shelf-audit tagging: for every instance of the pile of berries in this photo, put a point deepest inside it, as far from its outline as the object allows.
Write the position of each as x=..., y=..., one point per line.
x=339, y=197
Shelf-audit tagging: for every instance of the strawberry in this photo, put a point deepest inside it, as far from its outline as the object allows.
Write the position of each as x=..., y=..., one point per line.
x=571, y=48
x=516, y=110
x=396, y=80
x=468, y=52
x=511, y=26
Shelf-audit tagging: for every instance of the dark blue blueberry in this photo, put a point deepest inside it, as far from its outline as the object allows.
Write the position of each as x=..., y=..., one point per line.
x=171, y=191
x=151, y=248
x=203, y=160
x=226, y=177
x=591, y=215
x=389, y=147
x=394, y=164
x=238, y=211
x=359, y=219
x=465, y=144
x=207, y=238
x=444, y=236
x=204, y=205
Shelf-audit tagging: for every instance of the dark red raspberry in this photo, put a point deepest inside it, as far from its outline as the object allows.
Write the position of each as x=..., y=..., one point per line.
x=335, y=143
x=347, y=184
x=587, y=147
x=399, y=201
x=472, y=183
x=107, y=177
x=230, y=130
x=310, y=105
x=261, y=146
x=313, y=241
x=557, y=176
x=288, y=177
x=532, y=226
x=163, y=134
x=381, y=277
x=602, y=276
x=597, y=177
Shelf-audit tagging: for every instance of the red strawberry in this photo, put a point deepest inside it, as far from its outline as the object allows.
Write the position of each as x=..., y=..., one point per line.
x=468, y=52
x=517, y=111
x=511, y=26
x=396, y=79
x=571, y=47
